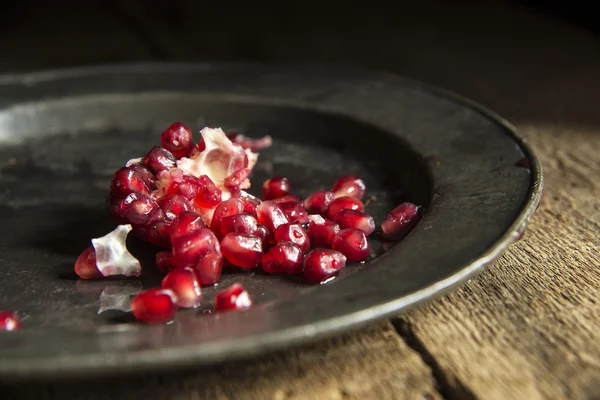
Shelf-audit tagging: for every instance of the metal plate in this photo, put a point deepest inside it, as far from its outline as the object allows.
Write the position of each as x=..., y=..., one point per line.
x=63, y=134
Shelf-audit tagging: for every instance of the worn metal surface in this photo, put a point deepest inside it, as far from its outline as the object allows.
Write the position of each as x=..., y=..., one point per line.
x=63, y=133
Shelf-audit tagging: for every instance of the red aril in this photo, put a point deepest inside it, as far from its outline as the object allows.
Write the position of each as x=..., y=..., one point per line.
x=251, y=203
x=321, y=231
x=159, y=159
x=126, y=180
x=229, y=207
x=241, y=250
x=321, y=264
x=284, y=257
x=318, y=202
x=173, y=205
x=344, y=203
x=148, y=176
x=189, y=249
x=177, y=139
x=210, y=195
x=9, y=321
x=184, y=283
x=85, y=266
x=158, y=233
x=349, y=185
x=208, y=268
x=356, y=219
x=239, y=223
x=233, y=298
x=154, y=306
x=400, y=221
x=270, y=215
x=186, y=222
x=140, y=210
x=294, y=211
x=352, y=243
x=164, y=261
x=293, y=233
x=276, y=187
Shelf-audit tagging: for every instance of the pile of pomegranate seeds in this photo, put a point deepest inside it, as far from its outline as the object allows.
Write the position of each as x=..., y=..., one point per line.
x=190, y=200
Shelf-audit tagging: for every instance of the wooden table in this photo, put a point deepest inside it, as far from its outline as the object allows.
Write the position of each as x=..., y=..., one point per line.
x=528, y=327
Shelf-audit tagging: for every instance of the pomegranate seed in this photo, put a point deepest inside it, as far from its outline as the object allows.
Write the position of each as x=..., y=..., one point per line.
x=210, y=195
x=159, y=159
x=344, y=203
x=293, y=233
x=287, y=199
x=400, y=221
x=235, y=181
x=177, y=139
x=352, y=243
x=9, y=321
x=140, y=210
x=321, y=231
x=321, y=264
x=250, y=202
x=184, y=283
x=190, y=187
x=227, y=208
x=285, y=257
x=115, y=208
x=126, y=181
x=241, y=250
x=186, y=222
x=148, y=175
x=263, y=233
x=239, y=223
x=349, y=185
x=154, y=306
x=318, y=202
x=85, y=266
x=164, y=261
x=356, y=219
x=189, y=249
x=159, y=234
x=276, y=187
x=294, y=211
x=208, y=269
x=173, y=205
x=234, y=297
x=270, y=215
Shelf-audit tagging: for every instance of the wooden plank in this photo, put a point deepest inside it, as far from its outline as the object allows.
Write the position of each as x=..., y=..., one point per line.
x=334, y=369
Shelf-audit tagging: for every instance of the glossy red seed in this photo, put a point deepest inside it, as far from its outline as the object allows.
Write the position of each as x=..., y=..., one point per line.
x=343, y=203
x=400, y=221
x=159, y=159
x=349, y=185
x=287, y=199
x=234, y=182
x=321, y=264
x=263, y=233
x=251, y=203
x=186, y=222
x=239, y=223
x=284, y=257
x=270, y=215
x=318, y=202
x=352, y=243
x=210, y=195
x=115, y=208
x=177, y=139
x=276, y=187
x=294, y=211
x=85, y=266
x=189, y=249
x=190, y=187
x=356, y=219
x=184, y=283
x=149, y=176
x=158, y=233
x=208, y=268
x=241, y=250
x=226, y=208
x=154, y=306
x=233, y=298
x=9, y=321
x=126, y=181
x=164, y=261
x=293, y=233
x=173, y=205
x=140, y=210
x=321, y=231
